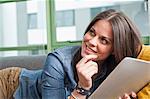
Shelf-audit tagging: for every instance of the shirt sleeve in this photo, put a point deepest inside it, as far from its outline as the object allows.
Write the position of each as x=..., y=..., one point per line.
x=53, y=78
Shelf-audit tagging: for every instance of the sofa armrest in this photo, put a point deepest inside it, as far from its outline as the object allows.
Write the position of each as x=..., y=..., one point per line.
x=29, y=62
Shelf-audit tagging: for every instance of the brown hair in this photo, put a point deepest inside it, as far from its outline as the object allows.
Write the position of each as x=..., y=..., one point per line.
x=126, y=36
x=127, y=41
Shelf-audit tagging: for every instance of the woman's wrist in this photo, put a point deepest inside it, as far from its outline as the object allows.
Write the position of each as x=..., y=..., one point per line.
x=82, y=90
x=76, y=95
x=83, y=86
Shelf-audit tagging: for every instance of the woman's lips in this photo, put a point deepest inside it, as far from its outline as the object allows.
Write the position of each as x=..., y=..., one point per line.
x=88, y=50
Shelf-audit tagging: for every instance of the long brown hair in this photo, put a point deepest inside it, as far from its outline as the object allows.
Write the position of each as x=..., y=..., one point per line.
x=127, y=40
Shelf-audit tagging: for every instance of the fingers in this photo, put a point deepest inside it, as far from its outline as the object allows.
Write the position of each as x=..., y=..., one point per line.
x=86, y=59
x=126, y=96
x=119, y=97
x=88, y=70
x=86, y=67
x=131, y=95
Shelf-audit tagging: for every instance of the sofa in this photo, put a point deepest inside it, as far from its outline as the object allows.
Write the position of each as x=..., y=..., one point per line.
x=29, y=62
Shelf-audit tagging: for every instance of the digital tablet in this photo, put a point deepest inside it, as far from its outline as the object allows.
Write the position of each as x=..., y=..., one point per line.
x=130, y=75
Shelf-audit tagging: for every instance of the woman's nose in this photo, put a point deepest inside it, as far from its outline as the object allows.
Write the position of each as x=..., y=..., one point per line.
x=93, y=41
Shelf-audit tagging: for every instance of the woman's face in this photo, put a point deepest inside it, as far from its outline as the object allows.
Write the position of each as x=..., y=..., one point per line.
x=98, y=40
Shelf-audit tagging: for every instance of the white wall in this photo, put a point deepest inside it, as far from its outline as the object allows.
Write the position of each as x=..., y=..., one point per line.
x=9, y=27
x=82, y=19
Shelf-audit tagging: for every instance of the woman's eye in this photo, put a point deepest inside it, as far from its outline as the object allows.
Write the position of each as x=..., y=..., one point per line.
x=91, y=32
x=104, y=41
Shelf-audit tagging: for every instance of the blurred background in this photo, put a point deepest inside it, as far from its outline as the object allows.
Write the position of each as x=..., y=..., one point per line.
x=37, y=27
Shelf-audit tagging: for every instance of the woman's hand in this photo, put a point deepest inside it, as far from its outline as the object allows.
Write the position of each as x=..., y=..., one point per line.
x=131, y=95
x=86, y=68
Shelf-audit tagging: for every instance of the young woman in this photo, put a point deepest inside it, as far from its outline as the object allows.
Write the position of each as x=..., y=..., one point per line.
x=75, y=72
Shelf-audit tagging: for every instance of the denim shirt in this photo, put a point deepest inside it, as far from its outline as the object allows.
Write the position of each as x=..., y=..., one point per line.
x=29, y=82
x=56, y=80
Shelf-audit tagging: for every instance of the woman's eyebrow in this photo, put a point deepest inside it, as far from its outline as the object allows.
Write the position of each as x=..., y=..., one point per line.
x=92, y=29
x=108, y=38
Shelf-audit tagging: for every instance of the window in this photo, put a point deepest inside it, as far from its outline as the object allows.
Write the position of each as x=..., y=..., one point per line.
x=84, y=11
x=65, y=18
x=32, y=21
x=96, y=10
x=23, y=29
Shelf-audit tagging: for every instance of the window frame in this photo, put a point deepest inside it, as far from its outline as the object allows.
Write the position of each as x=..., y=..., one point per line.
x=52, y=42
x=26, y=47
x=56, y=44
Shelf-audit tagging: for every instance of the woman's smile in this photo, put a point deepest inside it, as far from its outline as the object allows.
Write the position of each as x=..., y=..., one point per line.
x=89, y=50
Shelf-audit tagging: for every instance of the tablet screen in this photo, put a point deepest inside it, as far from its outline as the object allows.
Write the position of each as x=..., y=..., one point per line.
x=130, y=75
